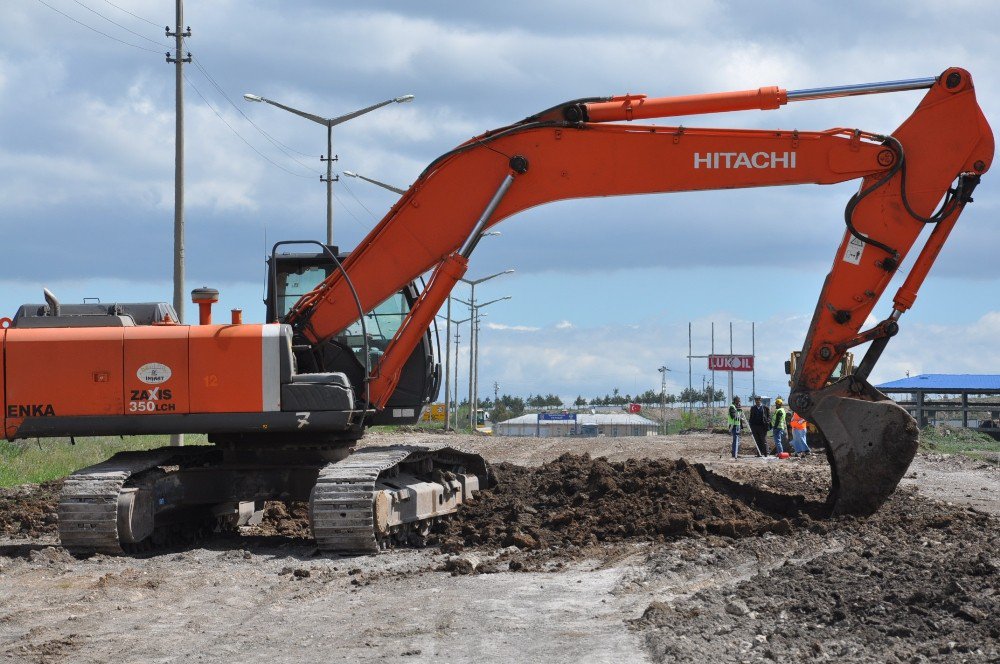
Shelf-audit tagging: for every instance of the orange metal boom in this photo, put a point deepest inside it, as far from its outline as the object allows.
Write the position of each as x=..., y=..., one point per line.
x=548, y=158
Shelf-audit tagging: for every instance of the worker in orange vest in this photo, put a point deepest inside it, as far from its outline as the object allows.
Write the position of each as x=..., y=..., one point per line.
x=799, y=426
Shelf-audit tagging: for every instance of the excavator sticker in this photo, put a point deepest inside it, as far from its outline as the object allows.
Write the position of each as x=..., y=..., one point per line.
x=153, y=373
x=855, y=248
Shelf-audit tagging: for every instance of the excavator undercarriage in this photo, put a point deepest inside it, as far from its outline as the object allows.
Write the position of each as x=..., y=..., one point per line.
x=370, y=499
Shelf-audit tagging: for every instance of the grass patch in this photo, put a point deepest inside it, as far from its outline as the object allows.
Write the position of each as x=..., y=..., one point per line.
x=34, y=461
x=956, y=440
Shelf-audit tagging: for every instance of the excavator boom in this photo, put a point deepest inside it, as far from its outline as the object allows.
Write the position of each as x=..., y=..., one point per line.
x=580, y=150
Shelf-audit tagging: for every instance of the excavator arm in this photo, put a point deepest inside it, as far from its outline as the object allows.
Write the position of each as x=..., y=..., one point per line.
x=582, y=149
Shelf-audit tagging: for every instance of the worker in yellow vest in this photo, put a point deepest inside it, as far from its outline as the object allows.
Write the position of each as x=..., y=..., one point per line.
x=779, y=420
x=736, y=425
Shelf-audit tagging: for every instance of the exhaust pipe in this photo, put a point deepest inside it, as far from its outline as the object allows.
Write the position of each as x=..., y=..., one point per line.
x=53, y=303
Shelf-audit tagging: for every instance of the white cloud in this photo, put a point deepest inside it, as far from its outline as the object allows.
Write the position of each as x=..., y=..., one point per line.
x=564, y=325
x=512, y=328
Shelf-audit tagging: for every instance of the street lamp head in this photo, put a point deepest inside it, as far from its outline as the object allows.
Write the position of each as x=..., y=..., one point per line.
x=403, y=99
x=350, y=174
x=252, y=97
x=508, y=272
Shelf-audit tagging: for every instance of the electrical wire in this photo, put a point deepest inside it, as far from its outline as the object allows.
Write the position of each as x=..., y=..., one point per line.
x=344, y=184
x=131, y=14
x=360, y=224
x=240, y=136
x=278, y=144
x=89, y=27
x=94, y=11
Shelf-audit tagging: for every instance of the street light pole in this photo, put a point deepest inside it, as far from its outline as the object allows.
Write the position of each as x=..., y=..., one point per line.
x=329, y=123
x=395, y=190
x=475, y=351
x=329, y=183
x=447, y=367
x=472, y=338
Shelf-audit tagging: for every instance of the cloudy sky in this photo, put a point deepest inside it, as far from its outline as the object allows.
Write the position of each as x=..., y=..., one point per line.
x=604, y=289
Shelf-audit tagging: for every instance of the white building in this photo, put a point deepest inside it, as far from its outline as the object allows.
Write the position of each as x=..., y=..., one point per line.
x=576, y=424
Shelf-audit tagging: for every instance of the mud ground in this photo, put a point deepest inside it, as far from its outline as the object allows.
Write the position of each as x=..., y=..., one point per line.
x=589, y=551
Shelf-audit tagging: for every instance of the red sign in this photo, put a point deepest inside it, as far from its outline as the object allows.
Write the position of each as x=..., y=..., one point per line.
x=634, y=408
x=730, y=362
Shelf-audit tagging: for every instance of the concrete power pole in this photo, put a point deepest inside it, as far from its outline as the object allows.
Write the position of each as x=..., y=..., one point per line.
x=179, y=34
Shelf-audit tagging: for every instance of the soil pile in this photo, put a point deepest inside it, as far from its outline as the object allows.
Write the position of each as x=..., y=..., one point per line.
x=578, y=501
x=30, y=510
x=918, y=581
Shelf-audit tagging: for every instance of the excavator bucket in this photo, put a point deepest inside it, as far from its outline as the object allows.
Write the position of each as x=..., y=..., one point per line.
x=871, y=441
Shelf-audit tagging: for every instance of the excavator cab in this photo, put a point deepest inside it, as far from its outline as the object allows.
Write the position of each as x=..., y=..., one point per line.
x=292, y=275
x=844, y=368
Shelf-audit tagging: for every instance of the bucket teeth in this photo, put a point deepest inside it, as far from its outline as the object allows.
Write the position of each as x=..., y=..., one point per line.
x=871, y=441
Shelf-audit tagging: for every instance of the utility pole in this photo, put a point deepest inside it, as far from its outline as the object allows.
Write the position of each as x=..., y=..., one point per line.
x=179, y=34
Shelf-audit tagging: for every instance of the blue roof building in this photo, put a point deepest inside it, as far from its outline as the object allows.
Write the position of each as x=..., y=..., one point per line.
x=951, y=383
x=952, y=402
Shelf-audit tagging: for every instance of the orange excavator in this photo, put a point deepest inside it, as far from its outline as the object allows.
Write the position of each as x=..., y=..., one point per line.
x=349, y=342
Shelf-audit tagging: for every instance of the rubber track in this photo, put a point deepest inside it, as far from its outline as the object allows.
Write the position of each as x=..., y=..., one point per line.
x=88, y=502
x=341, y=508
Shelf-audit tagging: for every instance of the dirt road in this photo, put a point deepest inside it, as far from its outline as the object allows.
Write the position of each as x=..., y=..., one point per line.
x=738, y=570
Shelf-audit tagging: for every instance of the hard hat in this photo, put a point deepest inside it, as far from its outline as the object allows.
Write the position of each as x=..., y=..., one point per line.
x=778, y=401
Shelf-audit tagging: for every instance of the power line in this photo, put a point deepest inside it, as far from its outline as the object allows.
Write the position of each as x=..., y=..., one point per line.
x=131, y=14
x=344, y=184
x=240, y=136
x=89, y=27
x=278, y=144
x=94, y=11
x=348, y=210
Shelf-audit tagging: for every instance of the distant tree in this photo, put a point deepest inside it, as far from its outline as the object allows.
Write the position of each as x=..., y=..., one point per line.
x=690, y=395
x=536, y=401
x=648, y=397
x=580, y=401
x=507, y=407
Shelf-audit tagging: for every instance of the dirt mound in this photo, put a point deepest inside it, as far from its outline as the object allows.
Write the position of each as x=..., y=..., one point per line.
x=578, y=501
x=916, y=582
x=30, y=510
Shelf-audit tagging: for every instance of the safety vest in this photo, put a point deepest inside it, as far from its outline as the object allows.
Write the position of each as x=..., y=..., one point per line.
x=734, y=416
x=798, y=422
x=778, y=418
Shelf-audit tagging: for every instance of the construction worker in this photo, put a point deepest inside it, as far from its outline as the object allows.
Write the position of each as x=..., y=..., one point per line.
x=736, y=425
x=779, y=420
x=799, y=427
x=760, y=422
